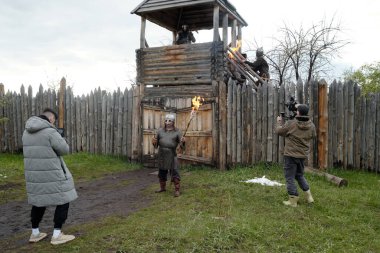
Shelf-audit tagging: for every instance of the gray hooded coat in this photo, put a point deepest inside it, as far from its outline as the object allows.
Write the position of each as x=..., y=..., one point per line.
x=48, y=180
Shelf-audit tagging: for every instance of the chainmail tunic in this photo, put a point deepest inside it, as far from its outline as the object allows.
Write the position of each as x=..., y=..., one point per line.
x=167, y=143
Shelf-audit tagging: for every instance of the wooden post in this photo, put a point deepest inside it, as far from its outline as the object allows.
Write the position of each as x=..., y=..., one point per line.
x=225, y=31
x=240, y=37
x=322, y=125
x=216, y=23
x=61, y=103
x=2, y=115
x=233, y=33
x=142, y=32
x=222, y=125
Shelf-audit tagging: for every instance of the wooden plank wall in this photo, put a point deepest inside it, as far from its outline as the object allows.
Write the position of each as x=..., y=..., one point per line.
x=101, y=122
x=349, y=127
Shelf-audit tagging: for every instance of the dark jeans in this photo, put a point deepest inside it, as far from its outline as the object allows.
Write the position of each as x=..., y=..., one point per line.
x=60, y=215
x=293, y=170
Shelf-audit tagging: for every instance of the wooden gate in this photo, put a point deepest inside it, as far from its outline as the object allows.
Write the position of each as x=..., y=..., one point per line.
x=199, y=136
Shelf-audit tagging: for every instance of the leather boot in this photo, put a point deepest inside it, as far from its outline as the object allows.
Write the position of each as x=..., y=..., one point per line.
x=309, y=197
x=162, y=187
x=176, y=186
x=292, y=201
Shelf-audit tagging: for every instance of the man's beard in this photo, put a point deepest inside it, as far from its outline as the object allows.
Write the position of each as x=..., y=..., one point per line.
x=169, y=126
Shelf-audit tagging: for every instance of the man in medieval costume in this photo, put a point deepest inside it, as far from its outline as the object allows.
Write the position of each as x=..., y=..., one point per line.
x=167, y=140
x=185, y=36
x=260, y=65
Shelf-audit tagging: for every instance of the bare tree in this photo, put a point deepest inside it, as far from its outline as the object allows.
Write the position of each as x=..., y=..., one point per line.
x=323, y=45
x=309, y=51
x=280, y=64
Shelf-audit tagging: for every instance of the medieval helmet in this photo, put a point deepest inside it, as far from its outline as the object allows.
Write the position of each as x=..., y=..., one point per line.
x=170, y=117
x=260, y=52
x=185, y=27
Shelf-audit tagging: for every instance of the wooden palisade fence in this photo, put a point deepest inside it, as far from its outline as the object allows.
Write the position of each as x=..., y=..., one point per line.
x=348, y=124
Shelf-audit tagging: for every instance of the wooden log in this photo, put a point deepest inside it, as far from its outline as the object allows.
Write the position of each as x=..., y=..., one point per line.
x=142, y=32
x=270, y=124
x=371, y=133
x=339, y=120
x=2, y=118
x=338, y=181
x=104, y=123
x=222, y=125
x=345, y=125
x=350, y=125
x=259, y=123
x=78, y=138
x=281, y=140
x=225, y=31
x=216, y=36
x=358, y=122
x=323, y=124
x=129, y=123
x=264, y=122
x=229, y=121
x=83, y=123
x=254, y=127
x=331, y=122
x=239, y=126
x=274, y=124
x=234, y=124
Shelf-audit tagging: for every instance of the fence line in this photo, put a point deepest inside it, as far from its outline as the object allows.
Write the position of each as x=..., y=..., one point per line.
x=103, y=122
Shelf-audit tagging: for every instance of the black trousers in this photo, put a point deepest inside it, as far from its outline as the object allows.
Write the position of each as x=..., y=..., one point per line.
x=60, y=215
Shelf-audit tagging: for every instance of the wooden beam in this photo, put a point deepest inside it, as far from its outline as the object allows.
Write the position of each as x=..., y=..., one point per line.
x=216, y=23
x=240, y=37
x=322, y=124
x=142, y=32
x=225, y=31
x=338, y=181
x=61, y=104
x=233, y=33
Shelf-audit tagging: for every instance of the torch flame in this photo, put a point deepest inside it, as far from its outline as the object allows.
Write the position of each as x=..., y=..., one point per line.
x=234, y=49
x=196, y=102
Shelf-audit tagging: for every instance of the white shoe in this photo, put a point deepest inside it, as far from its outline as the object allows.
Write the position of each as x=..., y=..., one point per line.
x=37, y=238
x=62, y=238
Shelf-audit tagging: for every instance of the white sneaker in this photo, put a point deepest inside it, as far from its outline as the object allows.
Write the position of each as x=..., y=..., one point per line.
x=37, y=238
x=62, y=238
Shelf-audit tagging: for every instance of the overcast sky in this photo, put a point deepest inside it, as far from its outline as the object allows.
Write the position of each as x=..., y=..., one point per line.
x=92, y=42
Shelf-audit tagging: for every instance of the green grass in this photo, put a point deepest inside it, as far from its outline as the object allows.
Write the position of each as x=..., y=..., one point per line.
x=83, y=166
x=219, y=213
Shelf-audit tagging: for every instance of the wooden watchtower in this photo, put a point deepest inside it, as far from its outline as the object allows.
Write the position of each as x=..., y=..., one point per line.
x=168, y=77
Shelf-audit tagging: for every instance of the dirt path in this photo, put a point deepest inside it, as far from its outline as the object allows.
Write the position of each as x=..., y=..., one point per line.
x=116, y=194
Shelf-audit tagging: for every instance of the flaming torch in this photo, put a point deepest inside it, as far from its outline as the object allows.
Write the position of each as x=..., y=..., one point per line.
x=196, y=102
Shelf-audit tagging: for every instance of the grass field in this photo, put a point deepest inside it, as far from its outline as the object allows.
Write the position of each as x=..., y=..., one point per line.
x=219, y=213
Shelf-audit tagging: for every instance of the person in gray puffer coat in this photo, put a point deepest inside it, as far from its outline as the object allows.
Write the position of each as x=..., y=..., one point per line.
x=48, y=180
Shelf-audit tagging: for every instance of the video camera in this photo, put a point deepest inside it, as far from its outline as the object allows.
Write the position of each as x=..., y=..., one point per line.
x=291, y=105
x=61, y=131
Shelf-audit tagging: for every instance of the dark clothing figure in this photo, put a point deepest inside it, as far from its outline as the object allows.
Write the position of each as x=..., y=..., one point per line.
x=185, y=36
x=167, y=140
x=298, y=134
x=261, y=67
